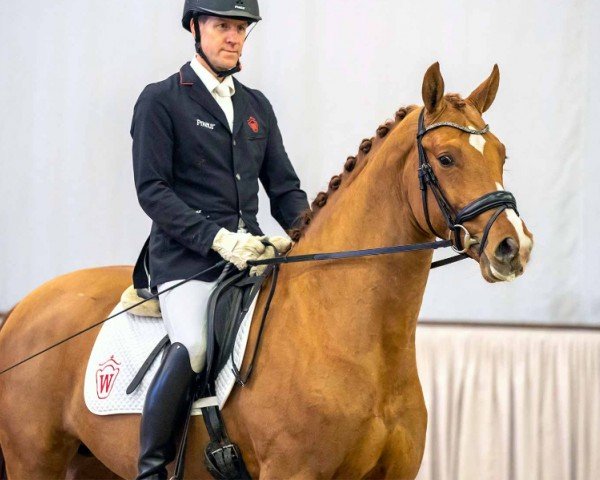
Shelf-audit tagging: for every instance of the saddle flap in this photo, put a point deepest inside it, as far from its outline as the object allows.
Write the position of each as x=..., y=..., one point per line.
x=227, y=308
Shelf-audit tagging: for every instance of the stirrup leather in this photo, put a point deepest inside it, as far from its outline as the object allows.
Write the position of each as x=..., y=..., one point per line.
x=223, y=458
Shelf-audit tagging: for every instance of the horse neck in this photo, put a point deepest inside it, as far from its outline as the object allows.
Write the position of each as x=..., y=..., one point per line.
x=371, y=210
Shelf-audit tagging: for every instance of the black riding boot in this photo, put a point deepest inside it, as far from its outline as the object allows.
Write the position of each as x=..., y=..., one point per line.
x=165, y=409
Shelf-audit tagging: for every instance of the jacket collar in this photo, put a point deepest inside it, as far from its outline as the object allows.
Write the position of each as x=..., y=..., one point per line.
x=194, y=87
x=200, y=94
x=208, y=79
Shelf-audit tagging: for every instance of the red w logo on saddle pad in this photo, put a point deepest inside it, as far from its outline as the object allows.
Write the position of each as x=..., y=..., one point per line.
x=253, y=124
x=106, y=376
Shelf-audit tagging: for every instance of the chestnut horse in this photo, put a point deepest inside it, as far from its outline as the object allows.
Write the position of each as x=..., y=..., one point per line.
x=336, y=392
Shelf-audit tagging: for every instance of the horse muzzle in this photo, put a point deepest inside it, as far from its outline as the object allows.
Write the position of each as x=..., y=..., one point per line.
x=505, y=260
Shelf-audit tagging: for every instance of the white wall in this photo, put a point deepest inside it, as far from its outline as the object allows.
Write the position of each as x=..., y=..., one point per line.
x=334, y=70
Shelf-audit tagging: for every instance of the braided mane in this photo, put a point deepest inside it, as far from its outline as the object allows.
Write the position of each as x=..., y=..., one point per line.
x=352, y=167
x=355, y=164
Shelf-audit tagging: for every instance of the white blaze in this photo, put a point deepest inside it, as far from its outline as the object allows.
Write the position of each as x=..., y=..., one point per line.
x=477, y=141
x=524, y=240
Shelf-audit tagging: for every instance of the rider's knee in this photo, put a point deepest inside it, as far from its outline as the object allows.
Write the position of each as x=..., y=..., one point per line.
x=197, y=352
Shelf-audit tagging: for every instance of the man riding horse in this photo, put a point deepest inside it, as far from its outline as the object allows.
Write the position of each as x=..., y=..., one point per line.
x=201, y=142
x=335, y=391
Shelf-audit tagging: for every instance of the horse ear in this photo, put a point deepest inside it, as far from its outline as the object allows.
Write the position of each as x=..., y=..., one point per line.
x=483, y=96
x=433, y=88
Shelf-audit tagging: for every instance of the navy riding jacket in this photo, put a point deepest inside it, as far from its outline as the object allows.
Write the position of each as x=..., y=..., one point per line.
x=193, y=175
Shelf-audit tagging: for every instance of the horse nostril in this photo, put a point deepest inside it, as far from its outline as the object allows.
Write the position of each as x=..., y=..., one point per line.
x=507, y=250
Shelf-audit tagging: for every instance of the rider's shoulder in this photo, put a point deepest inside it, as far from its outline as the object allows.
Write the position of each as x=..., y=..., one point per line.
x=161, y=90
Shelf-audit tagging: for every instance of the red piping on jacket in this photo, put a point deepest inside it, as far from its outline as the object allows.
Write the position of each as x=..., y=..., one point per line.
x=181, y=82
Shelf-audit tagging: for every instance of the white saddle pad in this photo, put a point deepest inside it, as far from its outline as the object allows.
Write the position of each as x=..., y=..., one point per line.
x=121, y=348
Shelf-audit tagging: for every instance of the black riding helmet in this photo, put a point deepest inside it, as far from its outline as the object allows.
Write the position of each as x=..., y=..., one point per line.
x=238, y=9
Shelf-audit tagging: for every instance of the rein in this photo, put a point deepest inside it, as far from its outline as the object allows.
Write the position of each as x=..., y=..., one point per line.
x=370, y=252
x=271, y=261
x=500, y=200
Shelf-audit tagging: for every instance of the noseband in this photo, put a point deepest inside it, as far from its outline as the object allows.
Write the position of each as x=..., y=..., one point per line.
x=499, y=200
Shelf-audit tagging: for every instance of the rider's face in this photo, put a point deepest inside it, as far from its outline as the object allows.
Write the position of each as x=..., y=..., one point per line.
x=222, y=40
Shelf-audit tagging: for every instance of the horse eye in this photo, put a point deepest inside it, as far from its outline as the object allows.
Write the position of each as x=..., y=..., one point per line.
x=446, y=161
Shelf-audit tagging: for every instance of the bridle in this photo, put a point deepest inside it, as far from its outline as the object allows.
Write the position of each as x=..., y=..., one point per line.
x=499, y=200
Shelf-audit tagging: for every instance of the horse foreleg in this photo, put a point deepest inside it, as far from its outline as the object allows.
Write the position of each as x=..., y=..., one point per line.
x=36, y=462
x=88, y=468
x=404, y=452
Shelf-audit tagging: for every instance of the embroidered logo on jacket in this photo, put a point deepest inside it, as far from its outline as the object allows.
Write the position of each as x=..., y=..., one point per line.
x=210, y=126
x=253, y=124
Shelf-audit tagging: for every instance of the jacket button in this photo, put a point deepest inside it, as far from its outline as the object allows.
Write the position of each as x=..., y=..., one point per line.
x=237, y=175
x=234, y=143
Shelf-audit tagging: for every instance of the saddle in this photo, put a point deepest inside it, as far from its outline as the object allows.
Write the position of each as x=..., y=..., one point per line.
x=227, y=307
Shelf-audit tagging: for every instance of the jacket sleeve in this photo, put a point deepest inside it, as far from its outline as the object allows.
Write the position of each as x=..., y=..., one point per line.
x=279, y=178
x=153, y=145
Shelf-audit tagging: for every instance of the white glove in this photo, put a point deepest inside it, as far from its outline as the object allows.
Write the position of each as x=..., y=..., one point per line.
x=238, y=248
x=282, y=245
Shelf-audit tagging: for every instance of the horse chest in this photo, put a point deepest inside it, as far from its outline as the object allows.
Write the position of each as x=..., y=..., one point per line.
x=392, y=441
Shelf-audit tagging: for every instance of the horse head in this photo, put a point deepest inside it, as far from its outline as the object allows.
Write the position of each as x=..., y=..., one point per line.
x=459, y=191
x=444, y=166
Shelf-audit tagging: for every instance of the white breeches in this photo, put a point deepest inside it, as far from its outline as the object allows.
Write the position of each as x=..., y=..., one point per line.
x=184, y=312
